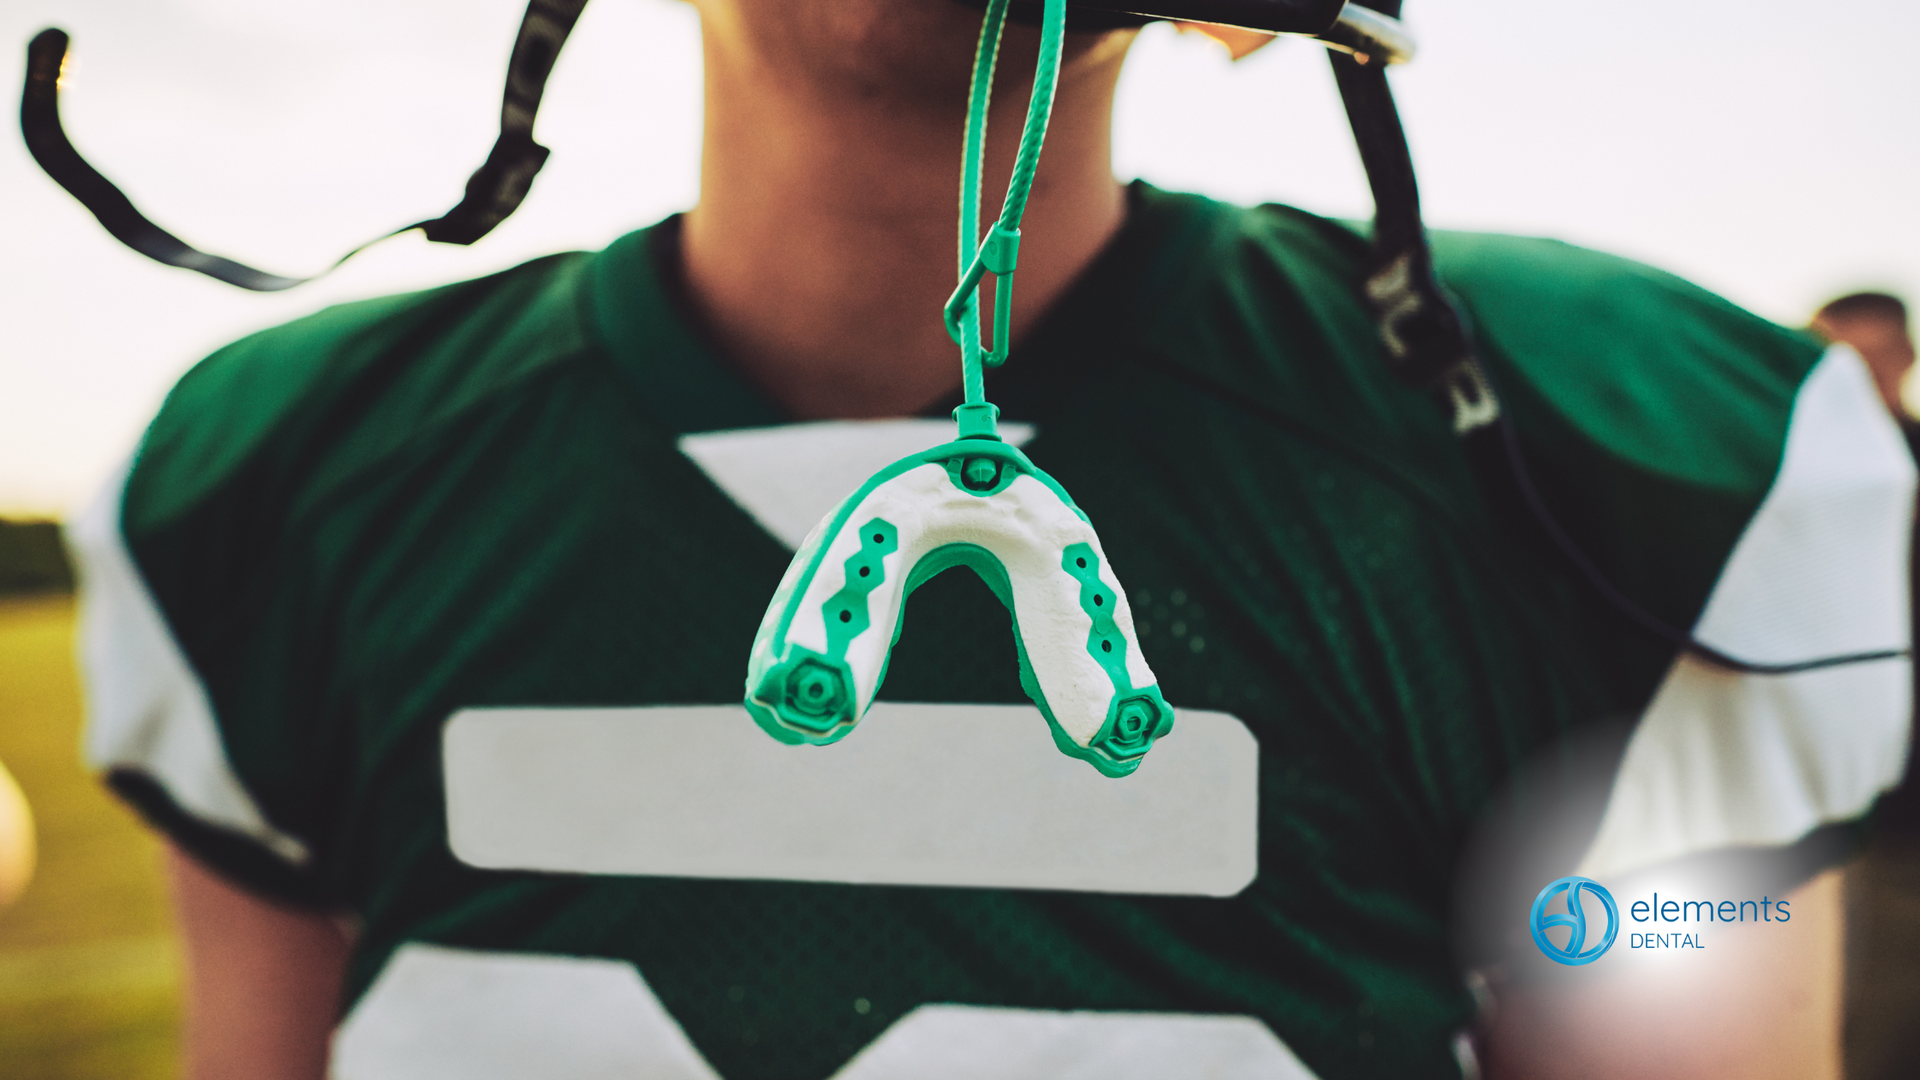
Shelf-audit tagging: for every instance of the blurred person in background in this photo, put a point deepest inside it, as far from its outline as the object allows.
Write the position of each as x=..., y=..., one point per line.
x=1883, y=888
x=1875, y=325
x=517, y=491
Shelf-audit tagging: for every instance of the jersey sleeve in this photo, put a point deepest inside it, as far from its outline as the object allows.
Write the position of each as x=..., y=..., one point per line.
x=1724, y=759
x=186, y=686
x=150, y=726
x=1738, y=482
x=216, y=571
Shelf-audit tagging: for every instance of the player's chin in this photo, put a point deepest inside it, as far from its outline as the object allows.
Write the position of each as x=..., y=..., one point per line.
x=931, y=43
x=911, y=47
x=1080, y=20
x=1088, y=30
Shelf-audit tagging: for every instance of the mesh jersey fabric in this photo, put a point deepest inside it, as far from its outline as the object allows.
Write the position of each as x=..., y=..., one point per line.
x=358, y=523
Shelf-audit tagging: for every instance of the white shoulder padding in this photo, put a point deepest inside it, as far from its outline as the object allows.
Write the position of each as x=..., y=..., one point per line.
x=146, y=709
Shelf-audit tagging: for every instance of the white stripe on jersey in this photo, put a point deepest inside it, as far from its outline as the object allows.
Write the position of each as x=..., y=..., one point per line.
x=971, y=1042
x=454, y=1014
x=959, y=795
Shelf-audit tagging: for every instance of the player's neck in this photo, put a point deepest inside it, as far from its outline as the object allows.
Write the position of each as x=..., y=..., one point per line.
x=824, y=243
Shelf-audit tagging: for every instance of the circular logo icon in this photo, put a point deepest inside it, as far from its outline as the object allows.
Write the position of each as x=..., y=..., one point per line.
x=1574, y=951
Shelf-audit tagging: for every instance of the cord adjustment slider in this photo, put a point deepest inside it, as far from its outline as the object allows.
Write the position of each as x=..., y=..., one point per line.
x=1000, y=252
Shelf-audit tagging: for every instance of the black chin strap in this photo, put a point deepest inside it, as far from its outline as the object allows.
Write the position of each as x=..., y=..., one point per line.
x=494, y=191
x=1427, y=340
x=498, y=187
x=1430, y=344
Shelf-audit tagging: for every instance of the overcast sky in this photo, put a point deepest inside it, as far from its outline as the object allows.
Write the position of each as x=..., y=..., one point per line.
x=1773, y=159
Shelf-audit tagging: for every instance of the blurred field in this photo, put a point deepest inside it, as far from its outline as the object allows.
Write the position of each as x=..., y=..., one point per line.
x=89, y=974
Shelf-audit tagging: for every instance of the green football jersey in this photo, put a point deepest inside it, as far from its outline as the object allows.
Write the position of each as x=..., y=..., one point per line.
x=543, y=499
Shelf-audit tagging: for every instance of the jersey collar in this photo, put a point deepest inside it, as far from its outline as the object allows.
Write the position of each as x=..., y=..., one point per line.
x=637, y=307
x=640, y=312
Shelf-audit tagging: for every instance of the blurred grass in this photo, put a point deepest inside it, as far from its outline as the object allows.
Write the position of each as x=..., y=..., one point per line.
x=89, y=972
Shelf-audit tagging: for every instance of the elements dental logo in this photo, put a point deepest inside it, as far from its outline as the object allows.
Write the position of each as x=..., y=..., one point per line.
x=1575, y=951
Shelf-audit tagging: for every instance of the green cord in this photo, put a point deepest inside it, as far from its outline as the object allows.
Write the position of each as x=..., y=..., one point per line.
x=999, y=254
x=980, y=95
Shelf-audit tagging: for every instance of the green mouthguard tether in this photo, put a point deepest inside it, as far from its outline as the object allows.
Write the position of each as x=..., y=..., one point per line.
x=822, y=649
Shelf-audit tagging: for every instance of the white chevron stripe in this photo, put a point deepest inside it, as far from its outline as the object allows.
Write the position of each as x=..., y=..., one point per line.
x=789, y=477
x=457, y=1014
